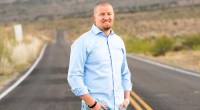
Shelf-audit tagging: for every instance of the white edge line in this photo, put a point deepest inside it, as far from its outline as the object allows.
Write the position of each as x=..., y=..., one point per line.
x=164, y=66
x=25, y=75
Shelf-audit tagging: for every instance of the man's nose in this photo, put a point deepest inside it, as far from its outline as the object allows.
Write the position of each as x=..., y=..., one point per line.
x=106, y=17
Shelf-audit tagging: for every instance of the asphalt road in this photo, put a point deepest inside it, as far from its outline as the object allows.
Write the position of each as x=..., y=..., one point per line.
x=165, y=89
x=46, y=88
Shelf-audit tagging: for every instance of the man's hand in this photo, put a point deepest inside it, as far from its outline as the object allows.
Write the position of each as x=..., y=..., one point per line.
x=99, y=106
x=125, y=104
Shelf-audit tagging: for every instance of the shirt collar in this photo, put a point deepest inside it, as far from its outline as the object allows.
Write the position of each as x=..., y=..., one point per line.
x=96, y=30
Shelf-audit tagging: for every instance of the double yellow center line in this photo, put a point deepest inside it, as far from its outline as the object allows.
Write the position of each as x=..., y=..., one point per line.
x=138, y=103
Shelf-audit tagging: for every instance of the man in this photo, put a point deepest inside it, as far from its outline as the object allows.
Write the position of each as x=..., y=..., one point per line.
x=98, y=71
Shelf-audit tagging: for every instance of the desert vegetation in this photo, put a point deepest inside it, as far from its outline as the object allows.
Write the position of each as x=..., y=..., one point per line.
x=17, y=56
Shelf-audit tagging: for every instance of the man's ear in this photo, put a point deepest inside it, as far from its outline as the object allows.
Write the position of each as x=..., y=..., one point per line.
x=93, y=17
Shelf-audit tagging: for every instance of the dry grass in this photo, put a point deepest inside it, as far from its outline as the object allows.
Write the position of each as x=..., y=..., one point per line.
x=176, y=27
x=25, y=53
x=15, y=57
x=183, y=59
x=171, y=22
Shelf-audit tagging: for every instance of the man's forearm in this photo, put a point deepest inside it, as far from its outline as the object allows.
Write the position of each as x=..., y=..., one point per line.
x=126, y=94
x=88, y=99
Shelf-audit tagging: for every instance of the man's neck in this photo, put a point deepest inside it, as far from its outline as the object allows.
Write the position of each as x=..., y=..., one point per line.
x=107, y=32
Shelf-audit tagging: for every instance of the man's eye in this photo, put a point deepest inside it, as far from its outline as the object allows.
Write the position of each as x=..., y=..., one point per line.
x=109, y=14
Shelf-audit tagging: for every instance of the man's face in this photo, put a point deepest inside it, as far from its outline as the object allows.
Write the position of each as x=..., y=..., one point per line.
x=104, y=17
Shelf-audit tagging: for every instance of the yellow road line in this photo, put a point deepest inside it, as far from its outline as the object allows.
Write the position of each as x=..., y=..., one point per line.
x=135, y=104
x=141, y=101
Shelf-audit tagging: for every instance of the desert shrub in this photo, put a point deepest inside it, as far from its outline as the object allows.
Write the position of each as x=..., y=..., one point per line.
x=15, y=56
x=138, y=45
x=5, y=58
x=162, y=45
x=192, y=42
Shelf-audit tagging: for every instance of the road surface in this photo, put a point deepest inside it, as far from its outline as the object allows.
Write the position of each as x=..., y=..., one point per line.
x=155, y=87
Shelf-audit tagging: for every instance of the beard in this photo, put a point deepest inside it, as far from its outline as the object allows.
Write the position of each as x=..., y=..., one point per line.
x=106, y=28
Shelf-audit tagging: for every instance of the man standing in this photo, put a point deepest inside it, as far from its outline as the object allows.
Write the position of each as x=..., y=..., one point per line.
x=98, y=71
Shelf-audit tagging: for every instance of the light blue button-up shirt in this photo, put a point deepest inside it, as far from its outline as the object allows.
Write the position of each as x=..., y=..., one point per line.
x=98, y=66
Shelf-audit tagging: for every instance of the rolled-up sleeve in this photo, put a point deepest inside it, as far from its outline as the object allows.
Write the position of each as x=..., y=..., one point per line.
x=76, y=68
x=126, y=75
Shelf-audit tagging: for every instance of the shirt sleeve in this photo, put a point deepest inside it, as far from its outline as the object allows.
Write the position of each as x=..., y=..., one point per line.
x=126, y=75
x=76, y=68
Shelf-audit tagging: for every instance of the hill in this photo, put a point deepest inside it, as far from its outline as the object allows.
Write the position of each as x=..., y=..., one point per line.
x=12, y=10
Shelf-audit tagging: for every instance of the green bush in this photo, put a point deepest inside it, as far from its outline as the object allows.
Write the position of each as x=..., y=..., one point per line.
x=192, y=42
x=137, y=45
x=162, y=45
x=196, y=47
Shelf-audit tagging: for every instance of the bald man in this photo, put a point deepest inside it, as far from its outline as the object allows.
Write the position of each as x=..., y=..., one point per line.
x=98, y=71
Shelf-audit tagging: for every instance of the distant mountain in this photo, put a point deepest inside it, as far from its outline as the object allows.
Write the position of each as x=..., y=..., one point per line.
x=6, y=1
x=34, y=9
